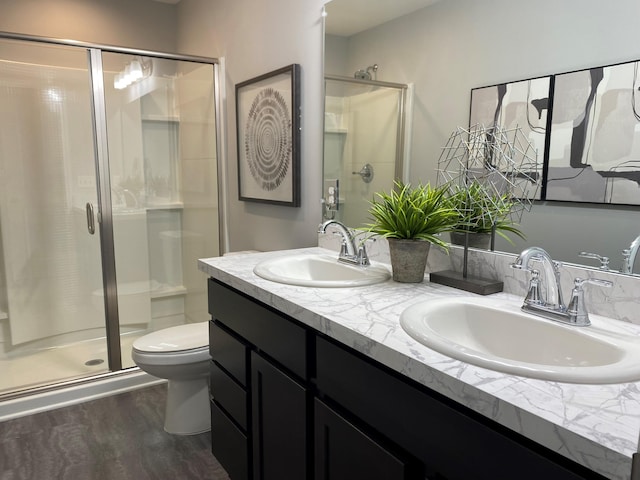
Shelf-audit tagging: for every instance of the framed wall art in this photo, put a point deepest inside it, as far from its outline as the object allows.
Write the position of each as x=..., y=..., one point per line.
x=268, y=128
x=594, y=153
x=524, y=105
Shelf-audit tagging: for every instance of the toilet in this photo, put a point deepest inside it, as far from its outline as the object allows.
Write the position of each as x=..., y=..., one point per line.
x=181, y=355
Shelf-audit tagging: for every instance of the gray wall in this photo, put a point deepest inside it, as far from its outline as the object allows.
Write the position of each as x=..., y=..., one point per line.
x=143, y=24
x=255, y=38
x=449, y=48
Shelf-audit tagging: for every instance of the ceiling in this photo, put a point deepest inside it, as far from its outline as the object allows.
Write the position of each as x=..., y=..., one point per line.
x=348, y=17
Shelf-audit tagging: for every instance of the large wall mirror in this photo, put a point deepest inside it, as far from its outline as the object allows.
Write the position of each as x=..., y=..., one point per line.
x=443, y=49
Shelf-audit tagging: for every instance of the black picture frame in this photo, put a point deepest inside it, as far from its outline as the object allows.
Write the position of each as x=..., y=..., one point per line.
x=268, y=137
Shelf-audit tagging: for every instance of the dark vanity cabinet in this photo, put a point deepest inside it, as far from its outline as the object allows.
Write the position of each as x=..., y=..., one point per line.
x=290, y=403
x=259, y=395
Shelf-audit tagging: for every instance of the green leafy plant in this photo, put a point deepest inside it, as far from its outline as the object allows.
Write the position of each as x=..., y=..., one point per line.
x=419, y=213
x=479, y=210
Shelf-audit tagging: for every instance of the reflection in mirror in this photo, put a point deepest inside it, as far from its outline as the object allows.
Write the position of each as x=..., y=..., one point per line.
x=444, y=49
x=363, y=143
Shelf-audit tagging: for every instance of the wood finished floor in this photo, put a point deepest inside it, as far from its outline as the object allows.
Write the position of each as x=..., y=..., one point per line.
x=114, y=438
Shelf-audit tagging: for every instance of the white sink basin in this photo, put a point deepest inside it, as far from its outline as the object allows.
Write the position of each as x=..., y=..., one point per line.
x=501, y=337
x=313, y=270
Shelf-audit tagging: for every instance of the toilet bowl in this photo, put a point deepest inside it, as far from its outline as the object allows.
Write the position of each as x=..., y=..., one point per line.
x=181, y=355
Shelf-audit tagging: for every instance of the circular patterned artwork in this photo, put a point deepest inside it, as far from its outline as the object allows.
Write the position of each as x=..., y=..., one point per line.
x=268, y=139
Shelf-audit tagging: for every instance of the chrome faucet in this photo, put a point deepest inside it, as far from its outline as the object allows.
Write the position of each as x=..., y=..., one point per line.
x=551, y=271
x=349, y=252
x=629, y=255
x=552, y=306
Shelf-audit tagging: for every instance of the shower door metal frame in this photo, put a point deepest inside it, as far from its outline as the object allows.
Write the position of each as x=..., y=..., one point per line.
x=104, y=215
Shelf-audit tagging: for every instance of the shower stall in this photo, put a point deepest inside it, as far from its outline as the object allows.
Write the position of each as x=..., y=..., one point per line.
x=108, y=196
x=364, y=137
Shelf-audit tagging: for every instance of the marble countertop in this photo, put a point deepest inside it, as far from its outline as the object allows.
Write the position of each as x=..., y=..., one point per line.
x=594, y=425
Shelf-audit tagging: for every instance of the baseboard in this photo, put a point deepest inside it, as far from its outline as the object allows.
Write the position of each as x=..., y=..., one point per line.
x=75, y=394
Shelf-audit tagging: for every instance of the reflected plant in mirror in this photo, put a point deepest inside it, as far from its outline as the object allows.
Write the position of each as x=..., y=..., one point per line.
x=491, y=176
x=480, y=212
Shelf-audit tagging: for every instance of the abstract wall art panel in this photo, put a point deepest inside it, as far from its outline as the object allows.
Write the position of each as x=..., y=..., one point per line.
x=594, y=151
x=523, y=105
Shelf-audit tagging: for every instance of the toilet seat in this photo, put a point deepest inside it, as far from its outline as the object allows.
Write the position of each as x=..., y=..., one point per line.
x=182, y=338
x=179, y=345
x=195, y=355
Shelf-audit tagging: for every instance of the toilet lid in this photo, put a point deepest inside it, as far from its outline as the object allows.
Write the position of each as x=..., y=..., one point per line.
x=175, y=339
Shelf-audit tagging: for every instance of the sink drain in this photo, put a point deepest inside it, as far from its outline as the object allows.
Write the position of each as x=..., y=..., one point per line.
x=95, y=361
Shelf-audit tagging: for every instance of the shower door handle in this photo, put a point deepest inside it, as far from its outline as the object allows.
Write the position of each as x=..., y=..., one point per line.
x=91, y=226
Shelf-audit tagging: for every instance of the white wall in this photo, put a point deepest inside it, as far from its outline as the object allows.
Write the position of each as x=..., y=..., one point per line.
x=255, y=38
x=456, y=45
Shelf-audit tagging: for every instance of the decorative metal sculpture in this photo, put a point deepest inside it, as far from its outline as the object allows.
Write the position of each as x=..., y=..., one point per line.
x=498, y=171
x=501, y=160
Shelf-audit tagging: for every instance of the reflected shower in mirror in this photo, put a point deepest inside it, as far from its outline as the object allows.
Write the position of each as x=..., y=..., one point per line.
x=445, y=49
x=364, y=131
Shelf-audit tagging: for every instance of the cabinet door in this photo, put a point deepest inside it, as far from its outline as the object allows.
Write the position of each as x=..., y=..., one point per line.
x=343, y=452
x=279, y=407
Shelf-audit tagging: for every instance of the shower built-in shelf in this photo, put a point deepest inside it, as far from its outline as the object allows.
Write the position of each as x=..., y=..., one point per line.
x=165, y=206
x=160, y=118
x=3, y=315
x=341, y=131
x=168, y=291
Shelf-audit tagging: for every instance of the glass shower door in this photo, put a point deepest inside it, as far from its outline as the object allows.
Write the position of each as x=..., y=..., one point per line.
x=52, y=315
x=160, y=116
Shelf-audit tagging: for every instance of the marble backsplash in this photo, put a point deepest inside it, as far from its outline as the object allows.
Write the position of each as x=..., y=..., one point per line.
x=621, y=301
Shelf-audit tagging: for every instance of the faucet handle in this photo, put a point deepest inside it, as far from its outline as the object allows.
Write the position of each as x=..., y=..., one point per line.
x=363, y=257
x=343, y=247
x=604, y=261
x=577, y=309
x=579, y=282
x=533, y=295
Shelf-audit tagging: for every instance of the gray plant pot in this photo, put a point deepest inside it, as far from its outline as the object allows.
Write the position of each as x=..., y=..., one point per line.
x=476, y=240
x=408, y=259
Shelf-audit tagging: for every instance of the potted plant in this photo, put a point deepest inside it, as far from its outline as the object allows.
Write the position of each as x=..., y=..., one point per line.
x=411, y=220
x=478, y=212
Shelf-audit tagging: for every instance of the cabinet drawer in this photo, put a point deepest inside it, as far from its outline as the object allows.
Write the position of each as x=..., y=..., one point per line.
x=229, y=395
x=269, y=331
x=431, y=427
x=229, y=445
x=229, y=352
